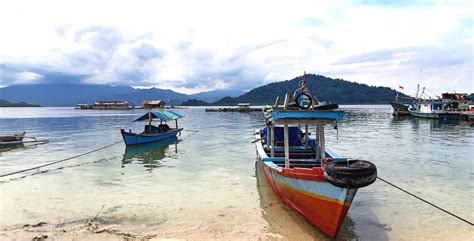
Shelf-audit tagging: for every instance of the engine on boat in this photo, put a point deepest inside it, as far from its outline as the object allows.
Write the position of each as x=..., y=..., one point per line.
x=349, y=173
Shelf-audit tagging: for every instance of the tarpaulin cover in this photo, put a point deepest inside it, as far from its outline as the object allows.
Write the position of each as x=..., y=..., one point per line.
x=164, y=115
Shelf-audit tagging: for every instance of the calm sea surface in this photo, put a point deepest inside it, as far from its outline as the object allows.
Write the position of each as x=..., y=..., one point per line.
x=204, y=186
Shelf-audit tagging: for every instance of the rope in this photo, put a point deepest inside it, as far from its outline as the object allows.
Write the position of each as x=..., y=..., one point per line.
x=63, y=160
x=425, y=201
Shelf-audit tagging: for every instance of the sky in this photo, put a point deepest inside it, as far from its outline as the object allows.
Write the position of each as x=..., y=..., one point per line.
x=194, y=46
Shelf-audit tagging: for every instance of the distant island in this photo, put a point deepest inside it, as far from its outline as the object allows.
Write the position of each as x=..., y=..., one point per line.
x=4, y=103
x=326, y=89
x=195, y=102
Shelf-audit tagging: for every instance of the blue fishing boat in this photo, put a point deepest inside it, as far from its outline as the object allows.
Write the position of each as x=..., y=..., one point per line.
x=153, y=133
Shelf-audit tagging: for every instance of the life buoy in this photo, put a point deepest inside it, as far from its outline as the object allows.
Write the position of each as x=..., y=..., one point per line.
x=300, y=101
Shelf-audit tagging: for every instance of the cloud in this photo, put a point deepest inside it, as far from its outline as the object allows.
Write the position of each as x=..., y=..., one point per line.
x=233, y=45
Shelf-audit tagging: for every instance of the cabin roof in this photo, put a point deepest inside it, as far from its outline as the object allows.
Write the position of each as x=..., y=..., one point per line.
x=164, y=115
x=308, y=115
x=153, y=102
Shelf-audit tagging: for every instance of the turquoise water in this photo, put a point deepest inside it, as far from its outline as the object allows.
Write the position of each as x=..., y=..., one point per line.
x=204, y=186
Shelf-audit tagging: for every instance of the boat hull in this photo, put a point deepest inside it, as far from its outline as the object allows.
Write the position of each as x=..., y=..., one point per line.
x=469, y=116
x=443, y=116
x=132, y=139
x=399, y=106
x=319, y=202
x=13, y=138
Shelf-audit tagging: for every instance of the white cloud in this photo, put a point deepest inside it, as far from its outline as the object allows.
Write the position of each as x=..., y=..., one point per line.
x=202, y=45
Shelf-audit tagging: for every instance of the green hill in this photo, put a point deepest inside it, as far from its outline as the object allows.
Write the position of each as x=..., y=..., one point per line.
x=325, y=89
x=194, y=102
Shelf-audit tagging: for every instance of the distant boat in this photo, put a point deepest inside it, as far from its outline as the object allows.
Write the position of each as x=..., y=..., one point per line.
x=303, y=173
x=18, y=137
x=399, y=108
x=450, y=106
x=151, y=132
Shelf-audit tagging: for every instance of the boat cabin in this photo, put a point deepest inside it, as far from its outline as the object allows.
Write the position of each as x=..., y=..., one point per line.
x=163, y=116
x=286, y=139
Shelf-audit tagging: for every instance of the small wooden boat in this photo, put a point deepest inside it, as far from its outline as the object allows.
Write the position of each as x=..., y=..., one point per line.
x=151, y=132
x=13, y=138
x=308, y=177
x=399, y=109
x=19, y=139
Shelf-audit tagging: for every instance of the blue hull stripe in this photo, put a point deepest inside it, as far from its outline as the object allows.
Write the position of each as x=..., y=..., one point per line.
x=135, y=139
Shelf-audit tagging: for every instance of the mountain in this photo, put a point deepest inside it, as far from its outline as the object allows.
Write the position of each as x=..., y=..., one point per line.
x=325, y=89
x=4, y=103
x=137, y=96
x=73, y=94
x=212, y=96
x=60, y=94
x=194, y=102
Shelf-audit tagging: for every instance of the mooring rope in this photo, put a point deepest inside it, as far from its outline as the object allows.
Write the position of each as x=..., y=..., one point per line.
x=425, y=201
x=63, y=160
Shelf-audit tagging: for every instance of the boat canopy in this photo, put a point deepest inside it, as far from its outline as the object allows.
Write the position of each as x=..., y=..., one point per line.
x=164, y=115
x=310, y=115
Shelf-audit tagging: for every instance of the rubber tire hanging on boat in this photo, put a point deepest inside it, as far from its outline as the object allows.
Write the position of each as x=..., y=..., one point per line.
x=350, y=173
x=301, y=105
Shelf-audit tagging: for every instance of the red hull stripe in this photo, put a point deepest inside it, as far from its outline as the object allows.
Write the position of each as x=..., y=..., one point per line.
x=328, y=216
x=325, y=213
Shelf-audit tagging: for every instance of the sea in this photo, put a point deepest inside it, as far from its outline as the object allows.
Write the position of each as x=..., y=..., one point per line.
x=204, y=185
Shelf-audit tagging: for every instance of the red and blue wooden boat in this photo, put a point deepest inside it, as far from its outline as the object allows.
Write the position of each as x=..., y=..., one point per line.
x=308, y=177
x=153, y=133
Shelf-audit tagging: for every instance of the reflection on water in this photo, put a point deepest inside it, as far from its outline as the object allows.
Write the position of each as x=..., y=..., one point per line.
x=15, y=147
x=150, y=155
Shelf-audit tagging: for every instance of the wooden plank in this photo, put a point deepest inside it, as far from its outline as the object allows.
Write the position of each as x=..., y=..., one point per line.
x=323, y=151
x=306, y=137
x=272, y=140
x=21, y=142
x=287, y=145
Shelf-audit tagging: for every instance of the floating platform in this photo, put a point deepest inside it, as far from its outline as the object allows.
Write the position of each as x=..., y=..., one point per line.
x=234, y=109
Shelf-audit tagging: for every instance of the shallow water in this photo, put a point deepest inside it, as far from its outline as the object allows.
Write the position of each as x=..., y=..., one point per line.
x=204, y=185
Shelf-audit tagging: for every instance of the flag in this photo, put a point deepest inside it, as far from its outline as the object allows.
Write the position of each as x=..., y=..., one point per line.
x=401, y=87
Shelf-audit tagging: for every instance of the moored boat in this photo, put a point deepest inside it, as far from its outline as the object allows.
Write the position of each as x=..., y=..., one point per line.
x=13, y=138
x=151, y=132
x=449, y=107
x=400, y=108
x=303, y=173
